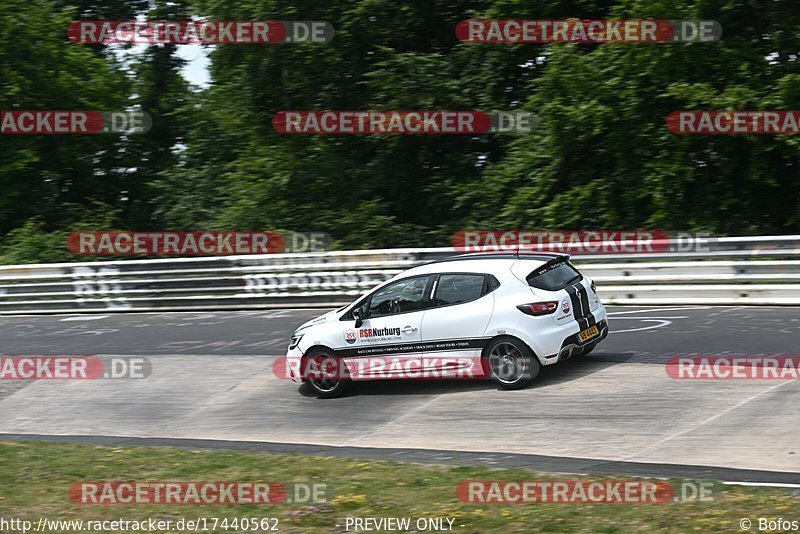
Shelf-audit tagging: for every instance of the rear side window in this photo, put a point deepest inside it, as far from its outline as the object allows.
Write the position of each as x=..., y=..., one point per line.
x=458, y=288
x=552, y=277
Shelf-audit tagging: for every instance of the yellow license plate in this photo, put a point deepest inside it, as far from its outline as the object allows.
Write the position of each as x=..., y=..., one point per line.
x=587, y=334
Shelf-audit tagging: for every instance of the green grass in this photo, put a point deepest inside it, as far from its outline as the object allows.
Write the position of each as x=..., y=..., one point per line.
x=35, y=477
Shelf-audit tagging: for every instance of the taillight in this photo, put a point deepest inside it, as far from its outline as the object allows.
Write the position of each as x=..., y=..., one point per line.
x=594, y=287
x=538, y=308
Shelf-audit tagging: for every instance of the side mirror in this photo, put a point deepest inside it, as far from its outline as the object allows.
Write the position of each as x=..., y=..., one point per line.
x=357, y=316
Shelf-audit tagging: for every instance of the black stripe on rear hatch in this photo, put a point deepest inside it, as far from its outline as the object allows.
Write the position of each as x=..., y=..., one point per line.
x=591, y=321
x=577, y=307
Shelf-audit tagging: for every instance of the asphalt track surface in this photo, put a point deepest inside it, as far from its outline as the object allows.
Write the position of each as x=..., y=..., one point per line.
x=212, y=386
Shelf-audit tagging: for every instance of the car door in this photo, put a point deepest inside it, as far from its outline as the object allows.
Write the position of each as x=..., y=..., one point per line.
x=461, y=306
x=387, y=343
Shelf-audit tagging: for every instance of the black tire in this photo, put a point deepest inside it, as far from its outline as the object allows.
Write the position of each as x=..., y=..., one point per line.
x=322, y=385
x=510, y=363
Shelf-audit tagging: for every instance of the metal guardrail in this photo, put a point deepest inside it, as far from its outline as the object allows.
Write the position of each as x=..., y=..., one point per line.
x=733, y=270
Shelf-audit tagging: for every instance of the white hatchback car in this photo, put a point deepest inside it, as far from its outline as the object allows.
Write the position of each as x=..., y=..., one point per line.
x=501, y=315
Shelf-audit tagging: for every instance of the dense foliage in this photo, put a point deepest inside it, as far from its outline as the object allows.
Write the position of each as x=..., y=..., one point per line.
x=601, y=157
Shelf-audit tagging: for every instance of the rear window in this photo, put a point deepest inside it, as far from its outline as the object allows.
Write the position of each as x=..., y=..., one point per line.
x=552, y=277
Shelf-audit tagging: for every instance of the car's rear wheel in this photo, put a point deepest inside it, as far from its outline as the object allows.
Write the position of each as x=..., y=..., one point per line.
x=512, y=364
x=325, y=375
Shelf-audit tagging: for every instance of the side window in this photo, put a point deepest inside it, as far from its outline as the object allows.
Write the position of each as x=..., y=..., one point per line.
x=399, y=297
x=458, y=288
x=362, y=308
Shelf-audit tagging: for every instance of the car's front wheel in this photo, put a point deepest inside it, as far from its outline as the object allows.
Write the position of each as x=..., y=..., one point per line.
x=512, y=364
x=325, y=374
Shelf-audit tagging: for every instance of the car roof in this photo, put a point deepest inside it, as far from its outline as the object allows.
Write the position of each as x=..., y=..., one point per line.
x=543, y=257
x=483, y=263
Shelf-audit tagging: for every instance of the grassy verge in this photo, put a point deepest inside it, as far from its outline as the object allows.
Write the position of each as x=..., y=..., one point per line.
x=35, y=478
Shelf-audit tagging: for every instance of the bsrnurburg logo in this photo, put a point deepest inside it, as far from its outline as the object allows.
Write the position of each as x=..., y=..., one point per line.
x=350, y=336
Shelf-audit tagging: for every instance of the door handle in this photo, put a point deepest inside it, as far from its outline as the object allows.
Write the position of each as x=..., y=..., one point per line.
x=408, y=329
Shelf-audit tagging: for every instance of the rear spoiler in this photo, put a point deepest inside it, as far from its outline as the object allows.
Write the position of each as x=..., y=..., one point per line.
x=560, y=258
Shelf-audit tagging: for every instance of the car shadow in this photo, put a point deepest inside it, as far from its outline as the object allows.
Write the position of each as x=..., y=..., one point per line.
x=578, y=367
x=566, y=371
x=409, y=387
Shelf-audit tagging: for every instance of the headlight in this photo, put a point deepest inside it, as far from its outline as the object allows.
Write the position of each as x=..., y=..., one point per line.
x=295, y=340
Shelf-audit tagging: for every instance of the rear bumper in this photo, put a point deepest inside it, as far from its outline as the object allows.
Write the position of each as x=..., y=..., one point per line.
x=554, y=343
x=559, y=344
x=571, y=344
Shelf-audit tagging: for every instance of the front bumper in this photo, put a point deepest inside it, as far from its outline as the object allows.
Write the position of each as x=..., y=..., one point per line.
x=293, y=358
